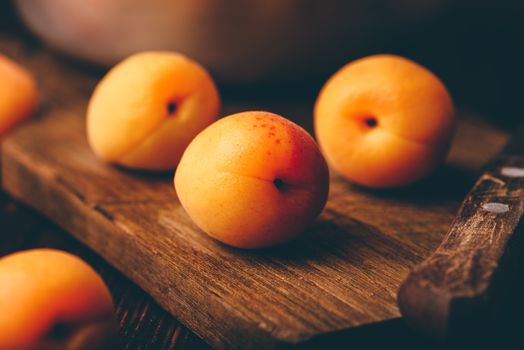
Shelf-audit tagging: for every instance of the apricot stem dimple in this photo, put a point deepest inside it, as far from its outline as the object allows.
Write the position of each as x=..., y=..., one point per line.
x=371, y=122
x=278, y=183
x=59, y=331
x=171, y=108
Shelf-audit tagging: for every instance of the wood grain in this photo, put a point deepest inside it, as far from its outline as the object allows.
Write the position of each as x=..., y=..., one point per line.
x=343, y=273
x=473, y=281
x=143, y=324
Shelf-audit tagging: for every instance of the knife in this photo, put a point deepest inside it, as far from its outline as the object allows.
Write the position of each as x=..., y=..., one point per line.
x=473, y=282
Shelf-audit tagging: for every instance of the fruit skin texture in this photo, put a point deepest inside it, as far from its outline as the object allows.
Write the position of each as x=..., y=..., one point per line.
x=413, y=113
x=147, y=109
x=42, y=287
x=18, y=94
x=252, y=180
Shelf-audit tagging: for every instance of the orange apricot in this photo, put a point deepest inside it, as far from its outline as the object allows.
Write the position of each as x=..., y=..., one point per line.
x=384, y=121
x=147, y=109
x=18, y=94
x=253, y=179
x=50, y=299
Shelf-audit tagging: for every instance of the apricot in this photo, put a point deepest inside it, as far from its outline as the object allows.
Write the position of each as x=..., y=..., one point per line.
x=147, y=109
x=50, y=299
x=18, y=94
x=252, y=180
x=384, y=121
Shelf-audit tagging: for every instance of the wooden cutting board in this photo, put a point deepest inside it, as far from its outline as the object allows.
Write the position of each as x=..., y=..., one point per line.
x=343, y=273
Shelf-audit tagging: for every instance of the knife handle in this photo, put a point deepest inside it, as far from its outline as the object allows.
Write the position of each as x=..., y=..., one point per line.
x=474, y=279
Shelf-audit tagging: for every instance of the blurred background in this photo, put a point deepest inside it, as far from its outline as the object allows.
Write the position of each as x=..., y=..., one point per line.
x=288, y=48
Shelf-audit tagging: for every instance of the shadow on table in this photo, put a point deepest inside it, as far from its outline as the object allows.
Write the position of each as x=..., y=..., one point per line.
x=396, y=334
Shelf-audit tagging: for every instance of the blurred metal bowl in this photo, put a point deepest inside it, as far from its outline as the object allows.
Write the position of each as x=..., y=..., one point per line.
x=238, y=40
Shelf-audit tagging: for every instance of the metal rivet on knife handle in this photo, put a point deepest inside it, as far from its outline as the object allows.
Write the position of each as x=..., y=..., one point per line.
x=473, y=281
